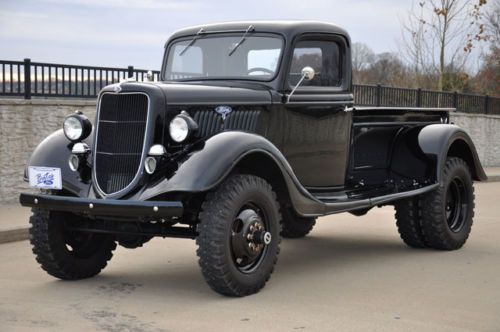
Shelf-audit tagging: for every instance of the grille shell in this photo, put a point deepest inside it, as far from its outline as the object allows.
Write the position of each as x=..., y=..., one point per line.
x=120, y=141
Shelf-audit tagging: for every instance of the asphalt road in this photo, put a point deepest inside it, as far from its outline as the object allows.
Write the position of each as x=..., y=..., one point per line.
x=350, y=274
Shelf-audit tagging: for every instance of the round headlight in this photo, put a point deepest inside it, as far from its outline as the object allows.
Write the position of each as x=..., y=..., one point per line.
x=77, y=127
x=73, y=128
x=179, y=129
x=182, y=126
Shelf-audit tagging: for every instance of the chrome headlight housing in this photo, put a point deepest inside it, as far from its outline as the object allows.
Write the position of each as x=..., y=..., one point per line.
x=77, y=127
x=182, y=127
x=150, y=165
x=179, y=129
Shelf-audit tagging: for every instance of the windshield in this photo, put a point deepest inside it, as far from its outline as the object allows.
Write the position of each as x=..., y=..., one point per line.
x=216, y=56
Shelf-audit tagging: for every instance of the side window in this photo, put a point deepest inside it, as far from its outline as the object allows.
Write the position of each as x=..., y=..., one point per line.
x=323, y=56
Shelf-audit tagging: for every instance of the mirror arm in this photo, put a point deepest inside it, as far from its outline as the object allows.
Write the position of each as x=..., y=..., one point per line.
x=295, y=88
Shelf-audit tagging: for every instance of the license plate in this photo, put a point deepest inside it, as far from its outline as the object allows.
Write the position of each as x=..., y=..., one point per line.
x=45, y=177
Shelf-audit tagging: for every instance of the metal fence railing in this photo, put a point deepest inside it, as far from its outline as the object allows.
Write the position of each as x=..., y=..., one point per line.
x=35, y=79
x=378, y=95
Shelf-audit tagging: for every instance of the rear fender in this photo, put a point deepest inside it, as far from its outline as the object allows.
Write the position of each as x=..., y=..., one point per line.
x=439, y=141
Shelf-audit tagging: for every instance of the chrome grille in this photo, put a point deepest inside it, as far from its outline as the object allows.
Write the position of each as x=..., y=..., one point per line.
x=121, y=129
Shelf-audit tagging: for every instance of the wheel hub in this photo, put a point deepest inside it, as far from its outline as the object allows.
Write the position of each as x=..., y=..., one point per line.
x=456, y=205
x=249, y=238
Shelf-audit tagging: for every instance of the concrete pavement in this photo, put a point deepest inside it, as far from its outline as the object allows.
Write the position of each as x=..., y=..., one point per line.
x=493, y=173
x=350, y=274
x=13, y=223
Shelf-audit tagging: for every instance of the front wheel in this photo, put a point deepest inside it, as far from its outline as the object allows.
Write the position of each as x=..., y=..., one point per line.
x=239, y=235
x=65, y=254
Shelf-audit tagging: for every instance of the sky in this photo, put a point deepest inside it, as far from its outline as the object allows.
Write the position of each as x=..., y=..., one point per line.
x=119, y=33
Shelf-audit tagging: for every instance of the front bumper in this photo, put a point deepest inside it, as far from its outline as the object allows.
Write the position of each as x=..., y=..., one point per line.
x=104, y=207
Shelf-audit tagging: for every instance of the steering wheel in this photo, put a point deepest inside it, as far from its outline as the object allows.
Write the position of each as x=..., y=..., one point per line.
x=257, y=69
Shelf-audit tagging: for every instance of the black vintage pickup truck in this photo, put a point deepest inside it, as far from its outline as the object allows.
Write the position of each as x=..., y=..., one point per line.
x=250, y=135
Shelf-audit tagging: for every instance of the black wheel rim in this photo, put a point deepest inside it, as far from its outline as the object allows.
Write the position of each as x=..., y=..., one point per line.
x=80, y=244
x=250, y=237
x=456, y=205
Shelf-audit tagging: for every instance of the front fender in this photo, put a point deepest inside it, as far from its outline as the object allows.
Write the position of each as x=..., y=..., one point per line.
x=438, y=141
x=54, y=151
x=205, y=168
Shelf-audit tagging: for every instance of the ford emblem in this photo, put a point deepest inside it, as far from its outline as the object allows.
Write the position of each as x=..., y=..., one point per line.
x=223, y=111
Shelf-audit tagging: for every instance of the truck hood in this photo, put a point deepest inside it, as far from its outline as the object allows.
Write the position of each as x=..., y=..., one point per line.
x=215, y=93
x=203, y=93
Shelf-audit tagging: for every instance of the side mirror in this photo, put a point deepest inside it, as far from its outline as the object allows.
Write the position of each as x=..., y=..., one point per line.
x=307, y=74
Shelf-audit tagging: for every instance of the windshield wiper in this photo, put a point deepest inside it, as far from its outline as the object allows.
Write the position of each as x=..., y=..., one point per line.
x=249, y=29
x=192, y=41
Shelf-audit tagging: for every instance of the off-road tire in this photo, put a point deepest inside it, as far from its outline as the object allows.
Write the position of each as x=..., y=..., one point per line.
x=215, y=230
x=408, y=221
x=438, y=234
x=295, y=226
x=48, y=238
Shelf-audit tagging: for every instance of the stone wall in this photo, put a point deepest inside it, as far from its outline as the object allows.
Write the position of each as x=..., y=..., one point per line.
x=25, y=123
x=485, y=132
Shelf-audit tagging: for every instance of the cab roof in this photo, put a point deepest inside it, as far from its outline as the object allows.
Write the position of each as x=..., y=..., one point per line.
x=288, y=29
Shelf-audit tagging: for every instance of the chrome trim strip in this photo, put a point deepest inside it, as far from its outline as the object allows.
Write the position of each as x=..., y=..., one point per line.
x=404, y=108
x=140, y=170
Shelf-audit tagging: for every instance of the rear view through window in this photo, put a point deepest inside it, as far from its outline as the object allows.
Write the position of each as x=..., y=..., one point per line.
x=323, y=56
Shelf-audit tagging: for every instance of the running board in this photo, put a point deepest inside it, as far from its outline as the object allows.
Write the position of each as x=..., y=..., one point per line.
x=366, y=203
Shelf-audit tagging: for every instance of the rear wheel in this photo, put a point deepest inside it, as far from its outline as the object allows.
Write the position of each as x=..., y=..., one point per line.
x=239, y=235
x=408, y=221
x=295, y=226
x=448, y=211
x=64, y=254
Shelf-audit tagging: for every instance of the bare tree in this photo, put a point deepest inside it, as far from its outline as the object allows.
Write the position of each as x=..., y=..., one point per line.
x=437, y=35
x=384, y=68
x=492, y=23
x=416, y=49
x=487, y=80
x=387, y=70
x=362, y=59
x=362, y=56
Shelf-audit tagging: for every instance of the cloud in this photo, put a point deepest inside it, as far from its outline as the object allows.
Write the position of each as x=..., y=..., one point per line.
x=133, y=4
x=84, y=29
x=4, y=14
x=360, y=13
x=42, y=27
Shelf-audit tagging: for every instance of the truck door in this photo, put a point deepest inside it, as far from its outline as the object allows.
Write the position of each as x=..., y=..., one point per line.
x=317, y=130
